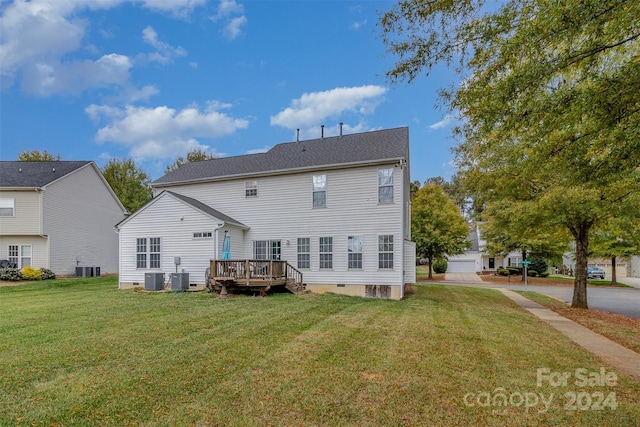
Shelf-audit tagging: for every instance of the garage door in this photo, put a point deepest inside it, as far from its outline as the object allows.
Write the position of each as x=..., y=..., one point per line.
x=461, y=266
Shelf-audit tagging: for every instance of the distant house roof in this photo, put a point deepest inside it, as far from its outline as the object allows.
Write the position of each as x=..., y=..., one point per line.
x=336, y=151
x=207, y=209
x=17, y=174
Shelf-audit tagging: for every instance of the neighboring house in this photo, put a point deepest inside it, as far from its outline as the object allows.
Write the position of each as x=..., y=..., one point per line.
x=476, y=259
x=634, y=266
x=58, y=215
x=624, y=267
x=336, y=208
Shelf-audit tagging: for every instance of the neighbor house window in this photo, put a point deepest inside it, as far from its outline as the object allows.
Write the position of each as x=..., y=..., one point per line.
x=385, y=251
x=514, y=260
x=25, y=255
x=326, y=252
x=319, y=191
x=202, y=235
x=385, y=185
x=304, y=252
x=7, y=207
x=354, y=249
x=251, y=189
x=148, y=252
x=13, y=254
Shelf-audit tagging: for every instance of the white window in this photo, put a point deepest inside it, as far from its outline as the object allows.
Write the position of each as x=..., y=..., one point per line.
x=7, y=207
x=251, y=189
x=304, y=252
x=267, y=249
x=326, y=252
x=25, y=255
x=14, y=254
x=514, y=260
x=385, y=185
x=202, y=235
x=319, y=191
x=385, y=251
x=354, y=248
x=148, y=252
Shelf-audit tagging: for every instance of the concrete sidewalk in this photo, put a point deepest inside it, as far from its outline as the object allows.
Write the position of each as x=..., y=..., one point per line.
x=618, y=356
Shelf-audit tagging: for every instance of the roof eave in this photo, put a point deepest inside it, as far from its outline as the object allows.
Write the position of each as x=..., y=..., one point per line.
x=280, y=172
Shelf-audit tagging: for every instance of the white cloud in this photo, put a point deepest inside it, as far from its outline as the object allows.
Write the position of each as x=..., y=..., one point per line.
x=234, y=28
x=163, y=132
x=165, y=52
x=442, y=123
x=71, y=78
x=227, y=9
x=358, y=25
x=36, y=35
x=311, y=109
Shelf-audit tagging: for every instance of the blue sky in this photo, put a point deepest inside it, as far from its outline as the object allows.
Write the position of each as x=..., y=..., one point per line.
x=153, y=79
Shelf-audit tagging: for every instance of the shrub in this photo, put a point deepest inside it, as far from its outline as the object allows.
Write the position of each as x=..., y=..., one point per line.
x=538, y=264
x=532, y=273
x=47, y=274
x=10, y=274
x=30, y=273
x=503, y=271
x=440, y=266
x=514, y=270
x=543, y=274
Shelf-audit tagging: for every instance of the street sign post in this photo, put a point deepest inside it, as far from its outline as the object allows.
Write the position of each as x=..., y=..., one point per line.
x=525, y=263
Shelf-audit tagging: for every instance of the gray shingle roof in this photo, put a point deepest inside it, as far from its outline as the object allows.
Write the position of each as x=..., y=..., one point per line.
x=207, y=209
x=16, y=174
x=367, y=147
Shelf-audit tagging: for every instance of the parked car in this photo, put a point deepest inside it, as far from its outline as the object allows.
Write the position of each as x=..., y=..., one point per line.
x=595, y=273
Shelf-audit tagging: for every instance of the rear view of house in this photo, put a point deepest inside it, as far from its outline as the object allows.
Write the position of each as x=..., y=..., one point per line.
x=58, y=215
x=335, y=209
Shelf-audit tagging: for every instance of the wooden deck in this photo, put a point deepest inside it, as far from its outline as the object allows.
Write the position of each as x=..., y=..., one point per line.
x=258, y=275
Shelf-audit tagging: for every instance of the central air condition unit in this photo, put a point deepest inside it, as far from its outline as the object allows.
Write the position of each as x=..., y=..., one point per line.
x=83, y=272
x=179, y=281
x=154, y=281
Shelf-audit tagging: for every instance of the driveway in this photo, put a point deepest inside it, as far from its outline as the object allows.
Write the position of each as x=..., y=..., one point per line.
x=625, y=301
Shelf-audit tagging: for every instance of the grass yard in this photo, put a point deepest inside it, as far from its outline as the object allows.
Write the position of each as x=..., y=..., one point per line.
x=80, y=352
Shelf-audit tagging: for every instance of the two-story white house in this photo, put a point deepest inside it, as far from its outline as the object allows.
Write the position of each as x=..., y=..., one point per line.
x=335, y=208
x=58, y=215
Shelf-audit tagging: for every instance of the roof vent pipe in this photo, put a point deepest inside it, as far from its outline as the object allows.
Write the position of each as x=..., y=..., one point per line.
x=298, y=135
x=321, y=131
x=341, y=128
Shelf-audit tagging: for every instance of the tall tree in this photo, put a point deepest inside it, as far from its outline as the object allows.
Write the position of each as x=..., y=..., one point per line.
x=192, y=156
x=437, y=226
x=549, y=103
x=37, y=156
x=617, y=239
x=129, y=182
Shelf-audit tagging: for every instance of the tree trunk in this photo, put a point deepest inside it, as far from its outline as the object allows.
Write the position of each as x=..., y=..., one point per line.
x=581, y=235
x=614, y=281
x=430, y=267
x=524, y=258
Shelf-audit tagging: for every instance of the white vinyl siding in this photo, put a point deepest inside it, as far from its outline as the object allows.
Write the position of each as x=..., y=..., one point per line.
x=7, y=207
x=353, y=211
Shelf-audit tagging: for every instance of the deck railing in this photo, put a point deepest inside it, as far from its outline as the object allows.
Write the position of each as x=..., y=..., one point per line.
x=251, y=270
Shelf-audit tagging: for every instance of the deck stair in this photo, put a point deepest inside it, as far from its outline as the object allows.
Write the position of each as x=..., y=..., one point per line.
x=253, y=275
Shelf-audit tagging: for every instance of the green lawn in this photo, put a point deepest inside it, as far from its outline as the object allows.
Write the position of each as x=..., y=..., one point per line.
x=80, y=352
